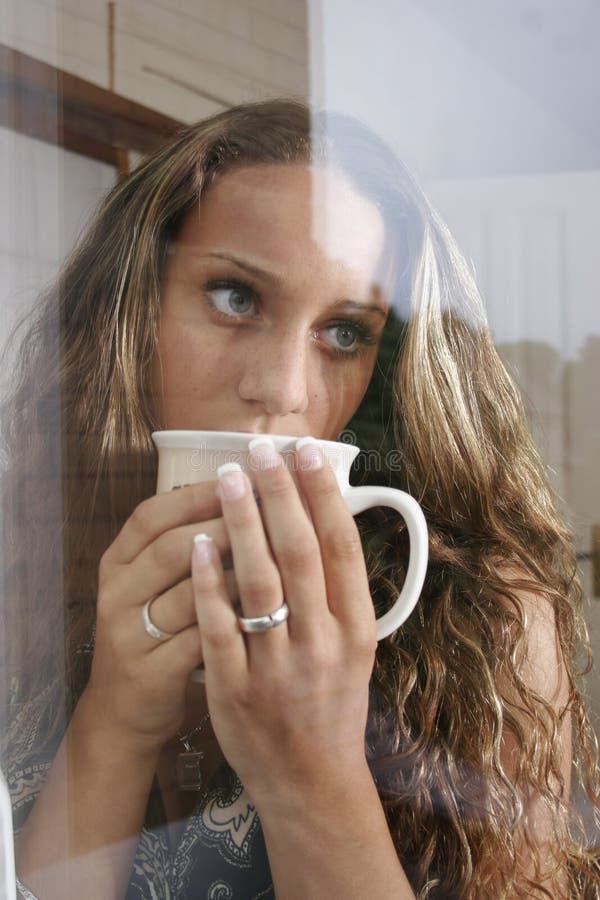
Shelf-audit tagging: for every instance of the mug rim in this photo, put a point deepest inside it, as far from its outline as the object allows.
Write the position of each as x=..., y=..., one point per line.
x=182, y=439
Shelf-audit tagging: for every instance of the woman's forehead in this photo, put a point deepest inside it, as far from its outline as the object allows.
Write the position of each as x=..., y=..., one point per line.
x=278, y=207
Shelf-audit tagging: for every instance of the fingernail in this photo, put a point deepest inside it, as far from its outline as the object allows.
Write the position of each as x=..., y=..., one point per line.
x=263, y=453
x=202, y=551
x=310, y=455
x=232, y=482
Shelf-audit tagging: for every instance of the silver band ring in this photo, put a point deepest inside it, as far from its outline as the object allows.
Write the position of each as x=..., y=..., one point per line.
x=256, y=624
x=150, y=628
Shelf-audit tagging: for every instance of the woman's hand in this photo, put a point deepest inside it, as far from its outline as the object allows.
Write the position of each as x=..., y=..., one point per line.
x=138, y=683
x=288, y=705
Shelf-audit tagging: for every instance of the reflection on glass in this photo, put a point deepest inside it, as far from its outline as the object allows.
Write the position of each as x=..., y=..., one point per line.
x=276, y=272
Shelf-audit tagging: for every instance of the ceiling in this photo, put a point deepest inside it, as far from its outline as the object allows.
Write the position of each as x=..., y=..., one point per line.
x=550, y=49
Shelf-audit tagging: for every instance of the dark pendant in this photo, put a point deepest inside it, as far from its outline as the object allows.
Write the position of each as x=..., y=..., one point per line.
x=189, y=770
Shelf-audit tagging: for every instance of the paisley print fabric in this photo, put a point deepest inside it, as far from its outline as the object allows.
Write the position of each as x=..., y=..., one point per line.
x=221, y=854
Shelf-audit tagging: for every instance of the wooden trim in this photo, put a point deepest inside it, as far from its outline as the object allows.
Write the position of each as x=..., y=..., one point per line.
x=52, y=105
x=122, y=162
x=596, y=559
x=111, y=45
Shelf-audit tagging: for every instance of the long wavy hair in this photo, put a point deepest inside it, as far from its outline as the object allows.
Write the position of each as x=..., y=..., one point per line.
x=449, y=684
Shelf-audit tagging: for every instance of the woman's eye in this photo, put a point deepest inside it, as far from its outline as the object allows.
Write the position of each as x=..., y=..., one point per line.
x=345, y=336
x=232, y=300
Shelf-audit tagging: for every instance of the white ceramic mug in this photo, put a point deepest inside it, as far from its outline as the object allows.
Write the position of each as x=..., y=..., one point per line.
x=187, y=457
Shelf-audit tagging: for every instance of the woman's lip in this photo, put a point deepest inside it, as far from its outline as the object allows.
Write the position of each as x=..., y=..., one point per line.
x=263, y=431
x=242, y=429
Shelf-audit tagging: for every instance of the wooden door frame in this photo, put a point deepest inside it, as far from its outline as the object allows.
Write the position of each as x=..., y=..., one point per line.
x=51, y=105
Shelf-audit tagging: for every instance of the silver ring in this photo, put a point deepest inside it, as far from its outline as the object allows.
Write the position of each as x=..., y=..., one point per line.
x=256, y=624
x=150, y=628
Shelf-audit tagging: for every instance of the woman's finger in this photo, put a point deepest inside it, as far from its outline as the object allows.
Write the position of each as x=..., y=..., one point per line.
x=174, y=610
x=292, y=538
x=180, y=654
x=344, y=566
x=258, y=579
x=161, y=565
x=159, y=514
x=223, y=646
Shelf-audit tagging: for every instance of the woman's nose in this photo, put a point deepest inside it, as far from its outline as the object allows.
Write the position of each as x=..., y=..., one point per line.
x=277, y=377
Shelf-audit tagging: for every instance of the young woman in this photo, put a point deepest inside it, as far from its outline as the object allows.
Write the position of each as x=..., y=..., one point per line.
x=269, y=273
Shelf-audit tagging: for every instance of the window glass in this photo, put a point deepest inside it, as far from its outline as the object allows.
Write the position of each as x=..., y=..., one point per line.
x=300, y=515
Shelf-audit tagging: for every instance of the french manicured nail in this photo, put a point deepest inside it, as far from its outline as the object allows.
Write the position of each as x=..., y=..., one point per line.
x=263, y=453
x=310, y=455
x=202, y=551
x=232, y=482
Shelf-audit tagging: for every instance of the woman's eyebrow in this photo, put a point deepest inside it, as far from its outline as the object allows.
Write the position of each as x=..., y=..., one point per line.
x=357, y=306
x=256, y=271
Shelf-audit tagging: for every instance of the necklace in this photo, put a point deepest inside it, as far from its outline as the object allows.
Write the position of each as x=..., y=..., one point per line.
x=189, y=763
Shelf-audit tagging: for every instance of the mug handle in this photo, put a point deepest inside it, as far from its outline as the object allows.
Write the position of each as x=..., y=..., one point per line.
x=358, y=499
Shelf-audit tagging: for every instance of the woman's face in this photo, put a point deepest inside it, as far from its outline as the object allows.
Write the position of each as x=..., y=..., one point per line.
x=271, y=310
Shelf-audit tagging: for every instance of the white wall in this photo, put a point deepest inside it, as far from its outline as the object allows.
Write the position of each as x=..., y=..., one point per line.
x=444, y=104
x=69, y=35
x=168, y=54
x=48, y=196
x=226, y=49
